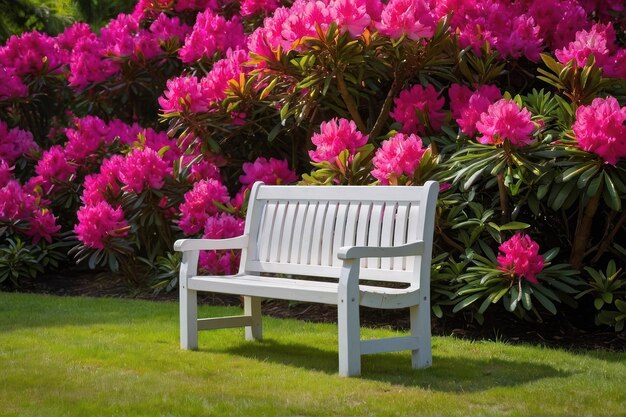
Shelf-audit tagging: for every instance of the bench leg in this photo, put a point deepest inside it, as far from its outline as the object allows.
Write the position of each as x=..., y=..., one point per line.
x=349, y=337
x=252, y=308
x=188, y=318
x=420, y=327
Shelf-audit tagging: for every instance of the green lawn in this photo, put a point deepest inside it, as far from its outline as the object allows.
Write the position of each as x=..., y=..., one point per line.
x=104, y=357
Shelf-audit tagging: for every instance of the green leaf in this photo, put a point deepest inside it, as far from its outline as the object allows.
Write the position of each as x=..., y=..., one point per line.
x=545, y=302
x=466, y=302
x=514, y=226
x=610, y=194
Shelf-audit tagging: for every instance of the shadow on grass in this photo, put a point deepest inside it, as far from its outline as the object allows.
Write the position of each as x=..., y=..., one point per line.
x=462, y=374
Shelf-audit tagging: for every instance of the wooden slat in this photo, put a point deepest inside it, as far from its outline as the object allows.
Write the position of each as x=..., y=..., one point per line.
x=414, y=232
x=386, y=234
x=328, y=234
x=349, y=237
x=341, y=193
x=307, y=233
x=399, y=235
x=316, y=238
x=363, y=227
x=389, y=344
x=340, y=229
x=288, y=232
x=375, y=226
x=265, y=235
x=224, y=322
x=326, y=271
x=298, y=227
x=277, y=231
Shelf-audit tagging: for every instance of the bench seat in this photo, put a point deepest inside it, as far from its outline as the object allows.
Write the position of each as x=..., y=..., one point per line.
x=303, y=290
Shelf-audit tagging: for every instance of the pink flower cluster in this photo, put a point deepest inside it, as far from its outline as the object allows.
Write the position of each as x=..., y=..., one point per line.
x=53, y=168
x=399, y=155
x=415, y=102
x=15, y=143
x=412, y=18
x=272, y=171
x=144, y=167
x=599, y=41
x=98, y=223
x=335, y=136
x=165, y=28
x=252, y=7
x=520, y=257
x=504, y=119
x=212, y=33
x=32, y=53
x=12, y=85
x=222, y=262
x=601, y=128
x=467, y=105
x=198, y=205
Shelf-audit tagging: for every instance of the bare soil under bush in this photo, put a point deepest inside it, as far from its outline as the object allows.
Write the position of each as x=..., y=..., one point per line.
x=573, y=330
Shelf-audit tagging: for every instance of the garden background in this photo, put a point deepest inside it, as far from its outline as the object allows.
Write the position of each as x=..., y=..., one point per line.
x=118, y=138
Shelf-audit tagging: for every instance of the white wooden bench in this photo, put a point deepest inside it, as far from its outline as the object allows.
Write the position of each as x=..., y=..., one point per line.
x=346, y=233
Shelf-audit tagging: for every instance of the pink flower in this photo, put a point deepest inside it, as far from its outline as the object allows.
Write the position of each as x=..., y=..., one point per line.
x=144, y=167
x=272, y=171
x=127, y=134
x=212, y=33
x=219, y=262
x=599, y=42
x=223, y=226
x=195, y=5
x=123, y=37
x=467, y=105
x=599, y=128
x=165, y=28
x=335, y=136
x=351, y=15
x=11, y=85
x=15, y=203
x=53, y=167
x=204, y=170
x=85, y=140
x=250, y=7
x=198, y=205
x=214, y=85
x=407, y=17
x=98, y=223
x=99, y=186
x=88, y=64
x=32, y=53
x=558, y=20
x=42, y=226
x=399, y=155
x=15, y=143
x=520, y=257
x=159, y=142
x=5, y=173
x=427, y=101
x=69, y=38
x=505, y=120
x=185, y=94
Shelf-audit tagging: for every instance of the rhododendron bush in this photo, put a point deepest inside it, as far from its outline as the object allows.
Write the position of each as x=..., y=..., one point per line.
x=114, y=143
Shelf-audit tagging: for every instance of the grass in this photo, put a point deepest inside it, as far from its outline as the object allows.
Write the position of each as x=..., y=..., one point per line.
x=62, y=356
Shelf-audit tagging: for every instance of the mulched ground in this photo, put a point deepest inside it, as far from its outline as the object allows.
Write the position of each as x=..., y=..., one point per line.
x=556, y=331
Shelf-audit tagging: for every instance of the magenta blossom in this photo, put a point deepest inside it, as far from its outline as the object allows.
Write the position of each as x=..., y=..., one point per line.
x=351, y=15
x=214, y=85
x=15, y=143
x=98, y=186
x=251, y=7
x=165, y=28
x=505, y=120
x=335, y=136
x=11, y=85
x=272, y=171
x=88, y=64
x=407, y=17
x=600, y=128
x=427, y=101
x=223, y=226
x=43, y=225
x=599, y=42
x=399, y=155
x=185, y=94
x=520, y=257
x=86, y=138
x=467, y=105
x=198, y=205
x=53, y=167
x=212, y=33
x=98, y=223
x=32, y=53
x=144, y=168
x=204, y=170
x=15, y=203
x=5, y=173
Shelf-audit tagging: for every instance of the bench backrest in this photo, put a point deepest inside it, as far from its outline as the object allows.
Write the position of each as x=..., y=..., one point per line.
x=298, y=229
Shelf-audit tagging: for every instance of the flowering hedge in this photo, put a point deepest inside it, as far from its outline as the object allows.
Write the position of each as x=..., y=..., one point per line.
x=115, y=143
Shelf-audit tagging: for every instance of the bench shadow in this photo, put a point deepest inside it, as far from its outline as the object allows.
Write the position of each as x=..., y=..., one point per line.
x=463, y=374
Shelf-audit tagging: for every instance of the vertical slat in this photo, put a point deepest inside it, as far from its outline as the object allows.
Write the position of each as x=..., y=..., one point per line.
x=318, y=228
x=375, y=226
x=307, y=233
x=386, y=234
x=399, y=235
x=349, y=237
x=363, y=226
x=265, y=236
x=328, y=233
x=340, y=229
x=413, y=232
x=298, y=228
x=288, y=232
x=277, y=230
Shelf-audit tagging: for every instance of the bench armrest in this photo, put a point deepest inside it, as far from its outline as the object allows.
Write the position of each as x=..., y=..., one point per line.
x=356, y=252
x=239, y=242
